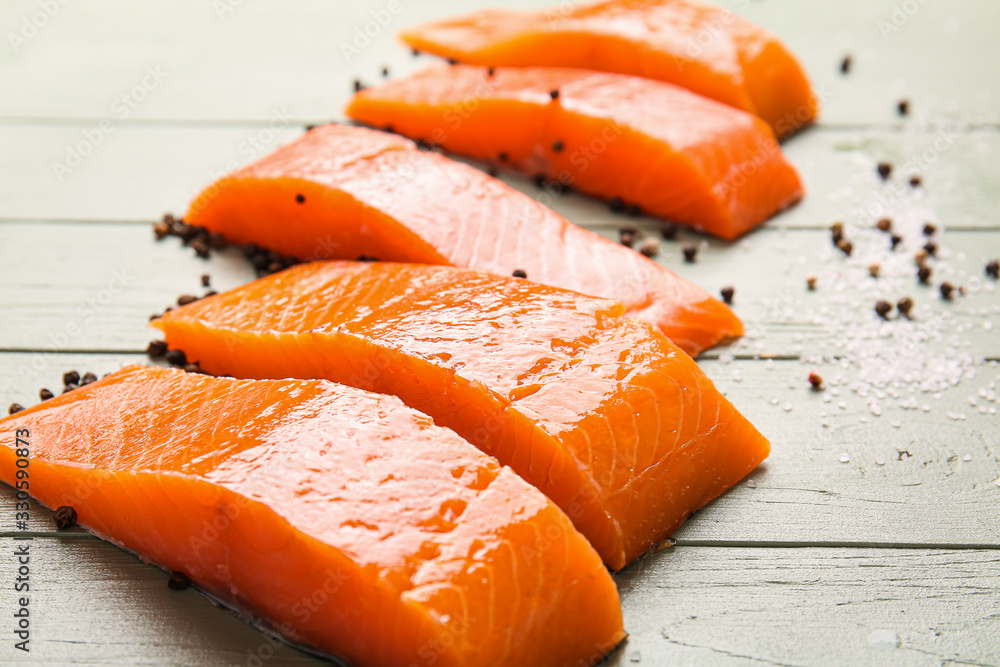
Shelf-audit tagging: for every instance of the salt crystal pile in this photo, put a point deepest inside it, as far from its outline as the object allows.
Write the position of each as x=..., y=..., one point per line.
x=924, y=341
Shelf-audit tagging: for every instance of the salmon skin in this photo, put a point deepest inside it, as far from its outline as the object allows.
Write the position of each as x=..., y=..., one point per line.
x=340, y=192
x=268, y=493
x=706, y=49
x=603, y=414
x=675, y=154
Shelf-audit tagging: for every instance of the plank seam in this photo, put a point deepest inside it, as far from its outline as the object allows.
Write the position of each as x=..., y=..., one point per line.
x=711, y=544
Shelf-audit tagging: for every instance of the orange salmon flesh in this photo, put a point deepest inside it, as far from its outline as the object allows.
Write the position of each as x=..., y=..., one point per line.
x=340, y=192
x=707, y=49
x=607, y=417
x=675, y=154
x=265, y=493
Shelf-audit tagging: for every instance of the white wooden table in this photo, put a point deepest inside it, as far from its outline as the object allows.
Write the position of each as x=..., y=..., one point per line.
x=864, y=539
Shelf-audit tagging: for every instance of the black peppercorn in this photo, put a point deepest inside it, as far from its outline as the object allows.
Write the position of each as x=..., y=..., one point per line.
x=65, y=517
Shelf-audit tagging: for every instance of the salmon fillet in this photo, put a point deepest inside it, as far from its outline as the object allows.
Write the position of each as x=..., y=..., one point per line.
x=345, y=520
x=603, y=414
x=341, y=192
x=675, y=154
x=706, y=49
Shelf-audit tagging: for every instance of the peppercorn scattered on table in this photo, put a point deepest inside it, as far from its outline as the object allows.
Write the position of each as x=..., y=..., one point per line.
x=870, y=534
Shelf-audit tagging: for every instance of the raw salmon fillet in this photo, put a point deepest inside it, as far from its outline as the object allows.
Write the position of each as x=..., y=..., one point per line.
x=603, y=414
x=372, y=193
x=675, y=154
x=706, y=49
x=275, y=495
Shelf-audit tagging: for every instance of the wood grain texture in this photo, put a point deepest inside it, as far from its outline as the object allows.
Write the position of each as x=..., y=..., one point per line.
x=812, y=606
x=95, y=604
x=889, y=557
x=100, y=299
x=129, y=174
x=138, y=171
x=240, y=61
x=803, y=493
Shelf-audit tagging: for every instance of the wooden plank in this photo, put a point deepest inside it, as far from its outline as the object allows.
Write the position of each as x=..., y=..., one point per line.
x=93, y=287
x=94, y=604
x=130, y=174
x=137, y=172
x=734, y=591
x=243, y=60
x=711, y=606
x=22, y=375
x=926, y=52
x=726, y=606
x=63, y=299
x=943, y=492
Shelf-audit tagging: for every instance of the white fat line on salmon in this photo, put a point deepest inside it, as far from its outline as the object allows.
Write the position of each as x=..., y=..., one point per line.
x=581, y=157
x=709, y=31
x=454, y=116
x=431, y=650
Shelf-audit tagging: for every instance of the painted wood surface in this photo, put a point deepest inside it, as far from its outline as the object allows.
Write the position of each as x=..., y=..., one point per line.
x=864, y=539
x=139, y=171
x=243, y=61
